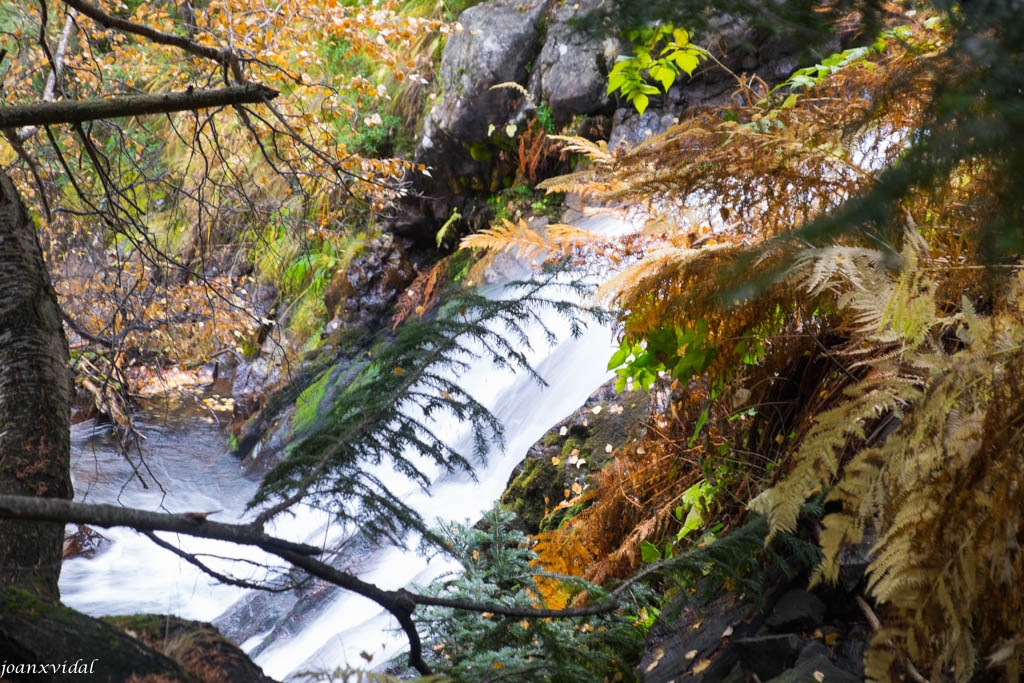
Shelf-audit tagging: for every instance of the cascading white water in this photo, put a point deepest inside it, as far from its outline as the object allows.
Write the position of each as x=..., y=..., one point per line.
x=186, y=456
x=137, y=576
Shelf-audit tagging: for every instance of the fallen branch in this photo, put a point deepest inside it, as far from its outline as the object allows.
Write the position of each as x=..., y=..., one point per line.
x=400, y=603
x=64, y=511
x=80, y=111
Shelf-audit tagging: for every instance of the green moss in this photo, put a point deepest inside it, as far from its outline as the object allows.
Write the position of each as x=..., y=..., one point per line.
x=525, y=496
x=139, y=623
x=572, y=443
x=480, y=151
x=307, y=405
x=23, y=602
x=560, y=516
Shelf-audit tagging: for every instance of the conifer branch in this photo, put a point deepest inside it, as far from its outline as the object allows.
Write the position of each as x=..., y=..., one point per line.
x=390, y=406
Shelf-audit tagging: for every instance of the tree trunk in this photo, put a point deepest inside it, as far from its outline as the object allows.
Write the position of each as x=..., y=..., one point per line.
x=35, y=400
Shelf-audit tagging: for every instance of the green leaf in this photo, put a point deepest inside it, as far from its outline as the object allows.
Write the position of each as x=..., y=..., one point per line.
x=649, y=552
x=618, y=358
x=687, y=61
x=640, y=101
x=790, y=101
x=616, y=79
x=664, y=74
x=693, y=521
x=701, y=421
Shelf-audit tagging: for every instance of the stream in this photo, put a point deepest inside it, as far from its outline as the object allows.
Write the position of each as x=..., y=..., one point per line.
x=322, y=628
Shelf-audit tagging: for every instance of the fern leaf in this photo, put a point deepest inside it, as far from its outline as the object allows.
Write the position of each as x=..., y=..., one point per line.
x=595, y=151
x=512, y=85
x=516, y=237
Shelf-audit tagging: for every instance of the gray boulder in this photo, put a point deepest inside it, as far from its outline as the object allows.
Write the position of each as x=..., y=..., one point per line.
x=571, y=72
x=499, y=39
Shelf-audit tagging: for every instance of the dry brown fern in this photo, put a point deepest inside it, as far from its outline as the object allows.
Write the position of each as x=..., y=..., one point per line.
x=943, y=493
x=422, y=295
x=528, y=243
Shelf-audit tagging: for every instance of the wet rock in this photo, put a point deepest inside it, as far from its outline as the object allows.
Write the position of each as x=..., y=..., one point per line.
x=699, y=640
x=630, y=128
x=849, y=652
x=769, y=656
x=531, y=493
x=853, y=563
x=363, y=293
x=543, y=487
x=797, y=610
x=84, y=542
x=813, y=664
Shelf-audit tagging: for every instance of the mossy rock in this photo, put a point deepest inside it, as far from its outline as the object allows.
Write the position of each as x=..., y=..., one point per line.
x=538, y=480
x=197, y=646
x=35, y=632
x=572, y=452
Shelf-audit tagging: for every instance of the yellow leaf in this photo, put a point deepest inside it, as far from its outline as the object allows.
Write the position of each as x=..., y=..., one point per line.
x=701, y=666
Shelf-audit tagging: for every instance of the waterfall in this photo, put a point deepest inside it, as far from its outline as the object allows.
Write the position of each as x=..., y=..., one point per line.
x=317, y=628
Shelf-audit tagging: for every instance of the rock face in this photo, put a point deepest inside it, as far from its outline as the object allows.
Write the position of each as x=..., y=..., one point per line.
x=84, y=542
x=571, y=72
x=541, y=46
x=498, y=40
x=364, y=292
x=543, y=486
x=793, y=635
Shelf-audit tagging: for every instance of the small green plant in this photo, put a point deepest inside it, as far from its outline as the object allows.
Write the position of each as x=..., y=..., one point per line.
x=680, y=353
x=545, y=118
x=662, y=53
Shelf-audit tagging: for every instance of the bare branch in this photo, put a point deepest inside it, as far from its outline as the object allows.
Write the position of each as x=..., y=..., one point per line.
x=118, y=24
x=52, y=81
x=206, y=569
x=48, y=113
x=59, y=510
x=400, y=603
